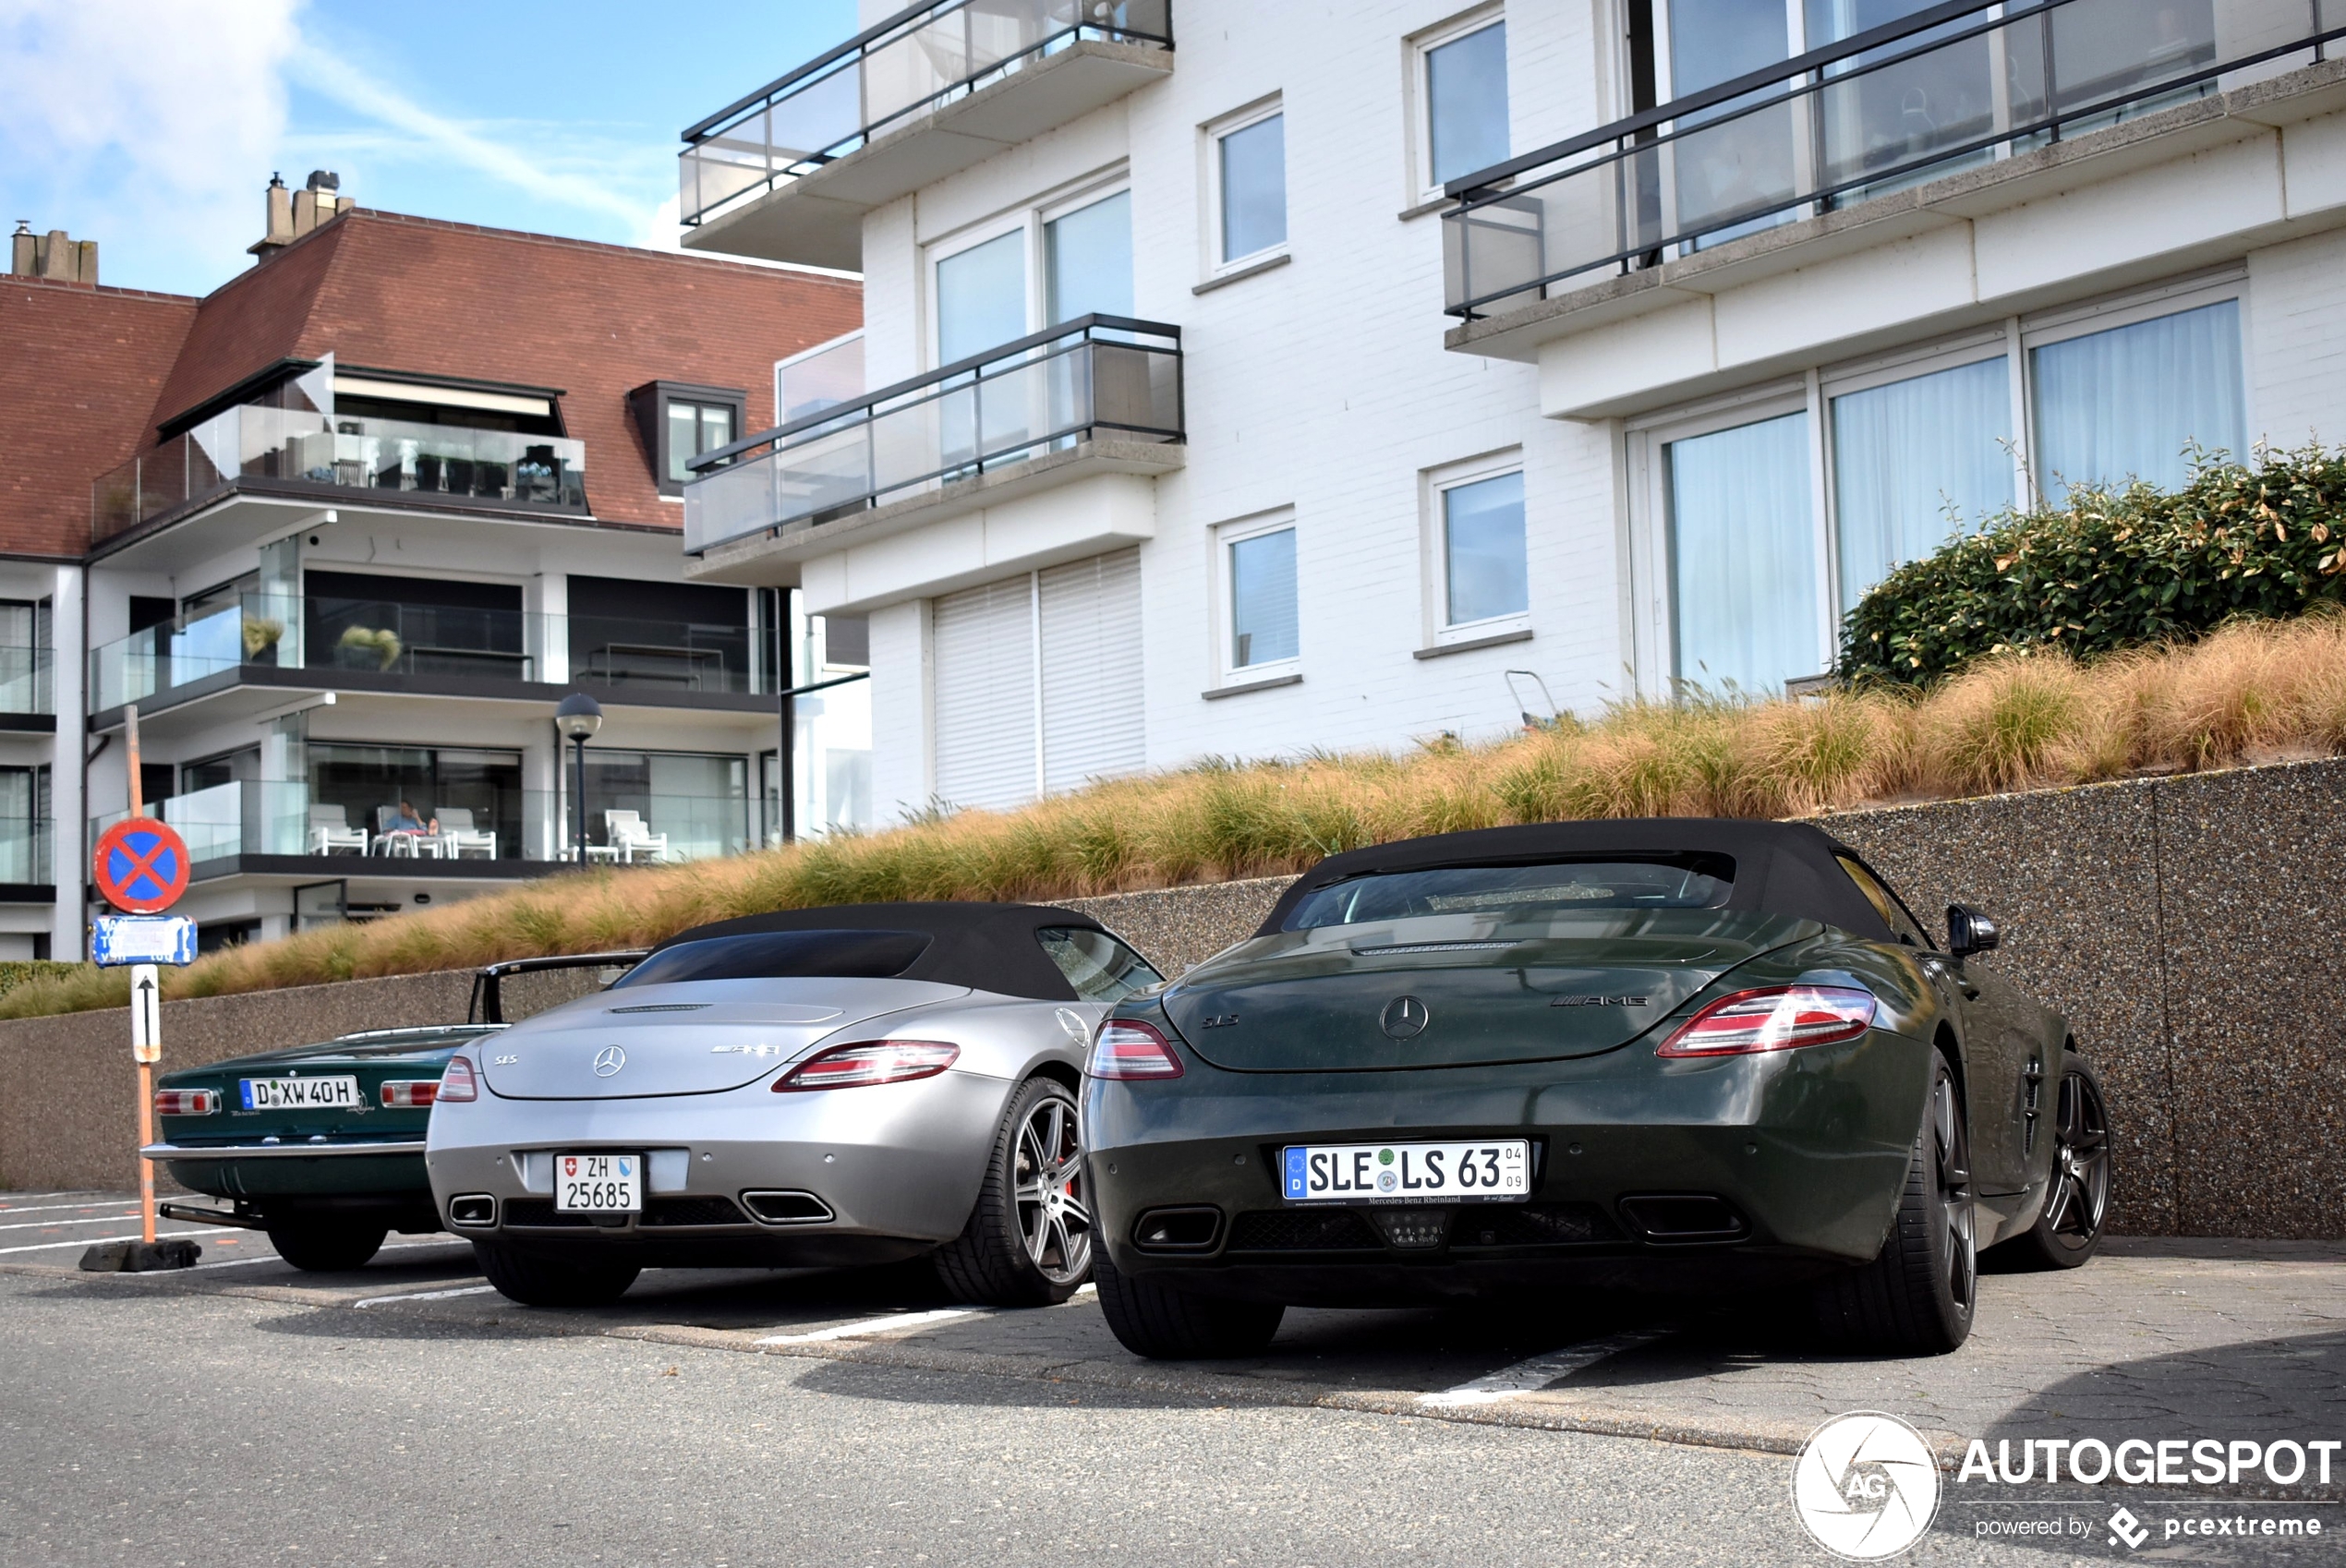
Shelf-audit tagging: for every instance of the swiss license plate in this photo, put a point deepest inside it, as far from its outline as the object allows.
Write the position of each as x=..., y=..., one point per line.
x=322, y=1094
x=598, y=1184
x=1486, y=1171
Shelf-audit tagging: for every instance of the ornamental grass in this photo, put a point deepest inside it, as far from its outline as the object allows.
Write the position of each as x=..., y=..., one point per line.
x=2251, y=691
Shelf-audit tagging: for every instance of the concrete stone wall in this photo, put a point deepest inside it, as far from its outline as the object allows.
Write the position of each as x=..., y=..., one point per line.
x=2185, y=925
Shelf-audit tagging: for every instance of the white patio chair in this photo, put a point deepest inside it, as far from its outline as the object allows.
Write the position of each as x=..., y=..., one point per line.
x=458, y=835
x=330, y=830
x=626, y=831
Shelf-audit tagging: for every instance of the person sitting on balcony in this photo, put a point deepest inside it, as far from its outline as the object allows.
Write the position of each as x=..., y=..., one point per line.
x=405, y=820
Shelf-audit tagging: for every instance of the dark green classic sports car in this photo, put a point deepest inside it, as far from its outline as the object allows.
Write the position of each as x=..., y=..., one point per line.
x=323, y=1146
x=1673, y=1054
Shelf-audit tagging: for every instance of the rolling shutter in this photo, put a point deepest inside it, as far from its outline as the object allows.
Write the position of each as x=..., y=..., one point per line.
x=1091, y=664
x=982, y=640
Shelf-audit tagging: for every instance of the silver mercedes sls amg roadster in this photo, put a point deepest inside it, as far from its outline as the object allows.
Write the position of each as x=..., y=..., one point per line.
x=855, y=1085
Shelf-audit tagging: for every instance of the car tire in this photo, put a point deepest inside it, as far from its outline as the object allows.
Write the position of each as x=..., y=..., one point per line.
x=1918, y=1295
x=327, y=1249
x=540, y=1282
x=1028, y=1240
x=2068, y=1228
x=1165, y=1324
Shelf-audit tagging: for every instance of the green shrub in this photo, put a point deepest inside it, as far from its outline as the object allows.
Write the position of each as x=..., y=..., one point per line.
x=17, y=971
x=2113, y=570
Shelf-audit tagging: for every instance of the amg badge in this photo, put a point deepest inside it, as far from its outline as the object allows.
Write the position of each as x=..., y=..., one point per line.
x=1600, y=1002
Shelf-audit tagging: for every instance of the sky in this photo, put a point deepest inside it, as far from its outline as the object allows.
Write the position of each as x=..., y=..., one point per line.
x=152, y=126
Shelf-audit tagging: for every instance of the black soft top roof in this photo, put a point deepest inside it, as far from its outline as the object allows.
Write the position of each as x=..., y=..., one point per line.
x=983, y=946
x=1780, y=867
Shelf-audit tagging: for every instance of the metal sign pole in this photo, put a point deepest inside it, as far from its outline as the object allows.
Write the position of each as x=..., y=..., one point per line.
x=146, y=1025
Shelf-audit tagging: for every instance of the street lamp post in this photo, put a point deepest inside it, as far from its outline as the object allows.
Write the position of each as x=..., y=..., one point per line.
x=578, y=716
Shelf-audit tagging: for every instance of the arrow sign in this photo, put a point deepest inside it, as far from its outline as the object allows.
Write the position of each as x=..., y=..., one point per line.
x=146, y=1013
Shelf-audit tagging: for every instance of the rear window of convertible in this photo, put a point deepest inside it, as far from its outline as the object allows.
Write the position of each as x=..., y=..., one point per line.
x=1520, y=892
x=782, y=955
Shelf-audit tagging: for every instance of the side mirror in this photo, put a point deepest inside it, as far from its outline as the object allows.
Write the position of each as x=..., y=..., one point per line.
x=1969, y=931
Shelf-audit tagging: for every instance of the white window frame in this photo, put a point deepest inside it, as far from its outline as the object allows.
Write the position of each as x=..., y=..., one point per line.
x=1433, y=485
x=1209, y=137
x=1030, y=216
x=1648, y=555
x=1420, y=185
x=1228, y=672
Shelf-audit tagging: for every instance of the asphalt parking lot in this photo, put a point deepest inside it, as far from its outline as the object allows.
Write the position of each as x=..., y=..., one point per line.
x=407, y=1413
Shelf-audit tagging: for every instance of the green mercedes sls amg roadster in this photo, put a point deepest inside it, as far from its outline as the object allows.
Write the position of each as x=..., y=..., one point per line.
x=1675, y=1055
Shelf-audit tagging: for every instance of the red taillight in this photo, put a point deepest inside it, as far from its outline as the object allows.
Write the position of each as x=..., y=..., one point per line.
x=1778, y=1018
x=1124, y=1048
x=877, y=1061
x=456, y=1083
x=409, y=1094
x=186, y=1101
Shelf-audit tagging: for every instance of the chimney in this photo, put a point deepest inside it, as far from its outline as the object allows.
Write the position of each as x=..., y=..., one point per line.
x=292, y=213
x=53, y=255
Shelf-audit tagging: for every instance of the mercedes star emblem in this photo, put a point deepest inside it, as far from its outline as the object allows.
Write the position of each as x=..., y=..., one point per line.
x=609, y=1059
x=1404, y=1017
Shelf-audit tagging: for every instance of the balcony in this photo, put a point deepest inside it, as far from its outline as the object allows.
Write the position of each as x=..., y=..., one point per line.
x=27, y=690
x=302, y=453
x=304, y=831
x=1097, y=395
x=25, y=867
x=270, y=642
x=788, y=172
x=1957, y=110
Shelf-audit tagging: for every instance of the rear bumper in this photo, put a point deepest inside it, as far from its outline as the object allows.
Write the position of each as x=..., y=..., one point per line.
x=1803, y=1154
x=896, y=1167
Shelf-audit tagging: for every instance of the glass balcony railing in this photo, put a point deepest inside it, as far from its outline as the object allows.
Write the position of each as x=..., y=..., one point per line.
x=385, y=638
x=27, y=682
x=917, y=61
x=258, y=817
x=1948, y=86
x=1094, y=375
x=299, y=445
x=24, y=849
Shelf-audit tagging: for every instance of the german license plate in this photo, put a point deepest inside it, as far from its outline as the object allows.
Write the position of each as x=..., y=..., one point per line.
x=325, y=1092
x=598, y=1184
x=1488, y=1171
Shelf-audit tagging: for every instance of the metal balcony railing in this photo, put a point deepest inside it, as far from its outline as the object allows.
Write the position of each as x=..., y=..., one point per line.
x=1946, y=88
x=1096, y=375
x=27, y=682
x=918, y=60
x=305, y=447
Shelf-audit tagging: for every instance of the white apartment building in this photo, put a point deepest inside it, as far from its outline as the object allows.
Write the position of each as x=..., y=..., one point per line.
x=1239, y=378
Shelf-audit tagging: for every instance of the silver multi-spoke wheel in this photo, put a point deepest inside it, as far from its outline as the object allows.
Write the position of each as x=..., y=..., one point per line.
x=1052, y=1216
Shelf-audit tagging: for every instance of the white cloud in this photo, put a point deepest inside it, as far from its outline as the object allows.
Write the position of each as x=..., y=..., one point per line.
x=140, y=123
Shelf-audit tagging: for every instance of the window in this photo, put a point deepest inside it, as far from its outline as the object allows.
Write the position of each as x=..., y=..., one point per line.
x=1248, y=166
x=1259, y=577
x=1515, y=895
x=1099, y=967
x=981, y=297
x=1887, y=904
x=2123, y=404
x=1463, y=75
x=1481, y=549
x=1745, y=604
x=1087, y=261
x=1746, y=561
x=680, y=422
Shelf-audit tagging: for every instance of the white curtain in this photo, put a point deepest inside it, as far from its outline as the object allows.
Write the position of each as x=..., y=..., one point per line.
x=1091, y=664
x=2122, y=404
x=1907, y=454
x=1744, y=556
x=981, y=640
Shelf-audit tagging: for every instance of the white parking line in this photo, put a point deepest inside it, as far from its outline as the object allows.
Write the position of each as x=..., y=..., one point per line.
x=895, y=1323
x=55, y=1225
x=39, y=1208
x=426, y=1294
x=67, y=1192
x=272, y=1257
x=96, y=1241
x=1538, y=1372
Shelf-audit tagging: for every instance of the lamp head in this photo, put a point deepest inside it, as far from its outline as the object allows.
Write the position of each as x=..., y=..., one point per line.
x=578, y=716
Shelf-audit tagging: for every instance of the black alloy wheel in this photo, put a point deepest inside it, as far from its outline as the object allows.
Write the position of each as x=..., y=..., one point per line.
x=2068, y=1229
x=1918, y=1293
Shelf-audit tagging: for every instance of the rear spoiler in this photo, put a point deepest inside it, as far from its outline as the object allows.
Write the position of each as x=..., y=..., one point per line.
x=487, y=1003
